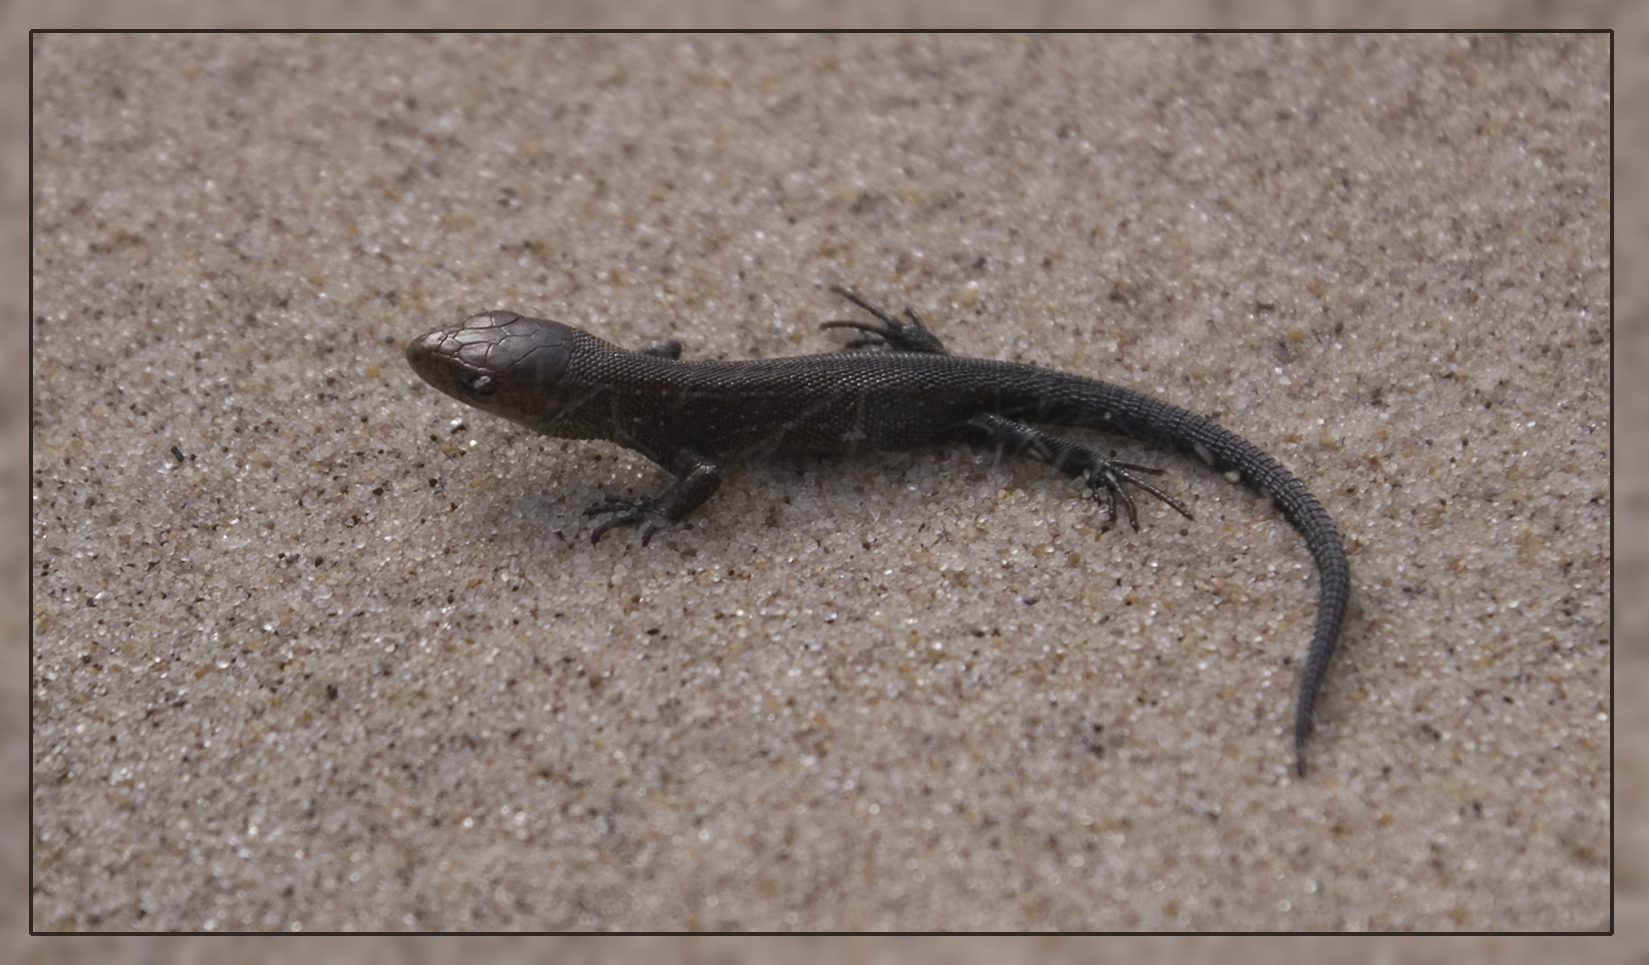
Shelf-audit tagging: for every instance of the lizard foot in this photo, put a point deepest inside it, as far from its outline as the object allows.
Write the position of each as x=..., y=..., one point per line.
x=888, y=332
x=628, y=512
x=1113, y=476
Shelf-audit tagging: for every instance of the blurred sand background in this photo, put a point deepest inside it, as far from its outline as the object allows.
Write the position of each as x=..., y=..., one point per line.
x=471, y=277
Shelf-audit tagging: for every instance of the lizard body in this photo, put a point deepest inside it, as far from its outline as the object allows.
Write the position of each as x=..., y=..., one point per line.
x=691, y=417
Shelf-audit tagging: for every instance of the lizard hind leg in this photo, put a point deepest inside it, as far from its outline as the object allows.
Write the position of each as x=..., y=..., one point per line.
x=1080, y=462
x=1113, y=475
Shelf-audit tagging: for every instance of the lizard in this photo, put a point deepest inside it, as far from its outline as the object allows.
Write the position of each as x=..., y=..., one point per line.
x=692, y=417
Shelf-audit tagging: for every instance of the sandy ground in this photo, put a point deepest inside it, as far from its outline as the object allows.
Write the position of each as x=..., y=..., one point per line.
x=350, y=663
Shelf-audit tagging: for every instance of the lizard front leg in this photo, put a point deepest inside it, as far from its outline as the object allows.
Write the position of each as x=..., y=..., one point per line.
x=697, y=479
x=911, y=336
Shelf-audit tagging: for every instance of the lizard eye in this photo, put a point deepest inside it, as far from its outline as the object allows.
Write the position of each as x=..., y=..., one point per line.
x=482, y=385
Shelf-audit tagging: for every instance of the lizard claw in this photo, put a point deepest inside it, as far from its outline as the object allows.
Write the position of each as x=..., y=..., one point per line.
x=888, y=332
x=1113, y=476
x=628, y=512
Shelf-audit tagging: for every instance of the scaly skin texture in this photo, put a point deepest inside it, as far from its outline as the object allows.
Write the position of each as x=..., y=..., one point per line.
x=690, y=417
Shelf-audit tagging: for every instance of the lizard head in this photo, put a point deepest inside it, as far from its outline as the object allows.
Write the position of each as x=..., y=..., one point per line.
x=499, y=362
